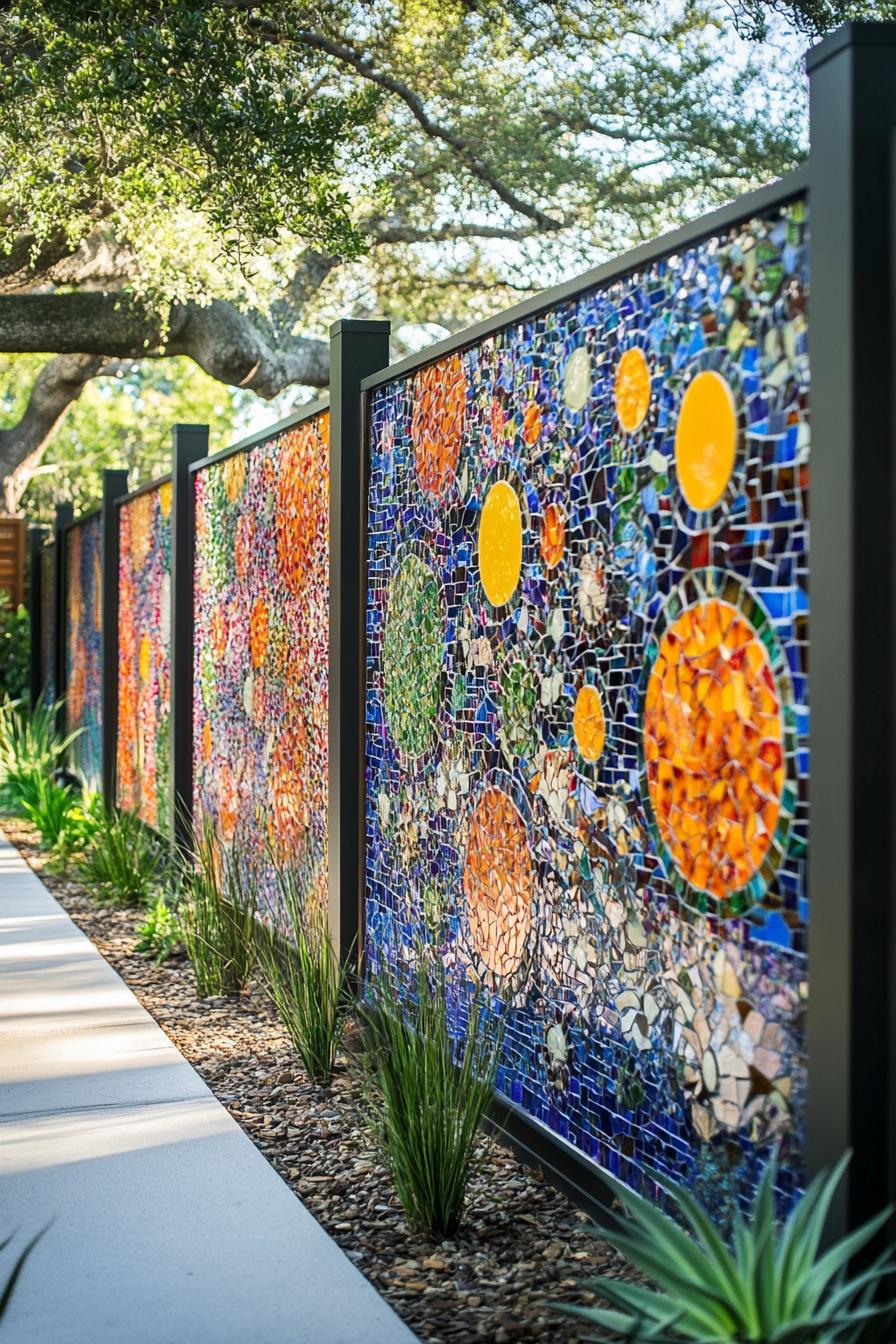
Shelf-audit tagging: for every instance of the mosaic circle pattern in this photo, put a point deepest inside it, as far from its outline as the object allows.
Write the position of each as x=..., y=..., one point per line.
x=714, y=747
x=412, y=655
x=705, y=440
x=501, y=543
x=632, y=389
x=498, y=881
x=588, y=724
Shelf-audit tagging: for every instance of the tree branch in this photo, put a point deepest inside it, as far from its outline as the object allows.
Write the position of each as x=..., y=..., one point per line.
x=228, y=344
x=434, y=129
x=403, y=233
x=59, y=383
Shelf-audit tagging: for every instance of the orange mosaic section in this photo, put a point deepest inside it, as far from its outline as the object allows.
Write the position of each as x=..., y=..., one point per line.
x=588, y=723
x=498, y=882
x=437, y=423
x=302, y=501
x=632, y=389
x=713, y=741
x=553, y=535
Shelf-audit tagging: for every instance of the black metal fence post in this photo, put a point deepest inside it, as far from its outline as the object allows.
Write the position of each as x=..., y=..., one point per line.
x=36, y=538
x=357, y=348
x=189, y=444
x=115, y=483
x=852, y=1013
x=65, y=514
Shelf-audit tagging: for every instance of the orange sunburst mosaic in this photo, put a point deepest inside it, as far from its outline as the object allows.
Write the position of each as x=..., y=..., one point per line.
x=713, y=734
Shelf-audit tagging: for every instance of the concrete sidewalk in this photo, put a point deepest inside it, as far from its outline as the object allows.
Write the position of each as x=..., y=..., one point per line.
x=169, y=1226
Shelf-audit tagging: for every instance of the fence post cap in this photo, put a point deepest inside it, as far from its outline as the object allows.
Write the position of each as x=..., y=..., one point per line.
x=856, y=33
x=372, y=324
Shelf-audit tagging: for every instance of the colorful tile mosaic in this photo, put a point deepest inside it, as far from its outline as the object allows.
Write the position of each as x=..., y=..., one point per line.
x=587, y=724
x=261, y=653
x=83, y=645
x=144, y=657
x=48, y=622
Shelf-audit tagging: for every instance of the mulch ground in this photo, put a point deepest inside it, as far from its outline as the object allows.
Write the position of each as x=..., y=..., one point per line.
x=523, y=1246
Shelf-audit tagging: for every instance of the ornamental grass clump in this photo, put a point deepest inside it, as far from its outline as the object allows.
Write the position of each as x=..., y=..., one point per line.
x=8, y=1284
x=31, y=750
x=305, y=981
x=50, y=809
x=427, y=1092
x=125, y=863
x=217, y=917
x=772, y=1285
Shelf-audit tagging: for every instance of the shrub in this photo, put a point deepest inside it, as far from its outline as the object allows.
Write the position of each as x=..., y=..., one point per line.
x=31, y=749
x=160, y=931
x=124, y=863
x=305, y=981
x=217, y=918
x=50, y=809
x=427, y=1093
x=771, y=1285
x=81, y=825
x=15, y=646
x=20, y=789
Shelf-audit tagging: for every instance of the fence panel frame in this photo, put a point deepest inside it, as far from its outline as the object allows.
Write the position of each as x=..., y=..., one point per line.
x=852, y=861
x=65, y=515
x=564, y=1164
x=120, y=503
x=186, y=630
x=189, y=444
x=357, y=348
x=115, y=484
x=36, y=538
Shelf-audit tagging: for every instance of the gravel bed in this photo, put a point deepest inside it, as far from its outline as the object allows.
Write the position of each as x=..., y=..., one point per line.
x=523, y=1245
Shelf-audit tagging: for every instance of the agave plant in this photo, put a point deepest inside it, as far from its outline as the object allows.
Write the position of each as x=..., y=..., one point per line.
x=773, y=1285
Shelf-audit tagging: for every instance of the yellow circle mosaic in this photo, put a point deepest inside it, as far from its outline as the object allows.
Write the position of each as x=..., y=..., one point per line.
x=588, y=724
x=631, y=389
x=500, y=543
x=706, y=440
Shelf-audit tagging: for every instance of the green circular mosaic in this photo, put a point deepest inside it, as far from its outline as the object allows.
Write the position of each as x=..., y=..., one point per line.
x=518, y=697
x=412, y=655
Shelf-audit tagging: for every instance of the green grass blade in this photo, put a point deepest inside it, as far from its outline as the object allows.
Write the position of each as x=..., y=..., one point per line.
x=9, y=1287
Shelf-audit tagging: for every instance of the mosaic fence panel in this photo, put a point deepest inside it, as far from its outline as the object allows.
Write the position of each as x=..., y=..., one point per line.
x=83, y=645
x=261, y=644
x=587, y=725
x=144, y=657
x=48, y=622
